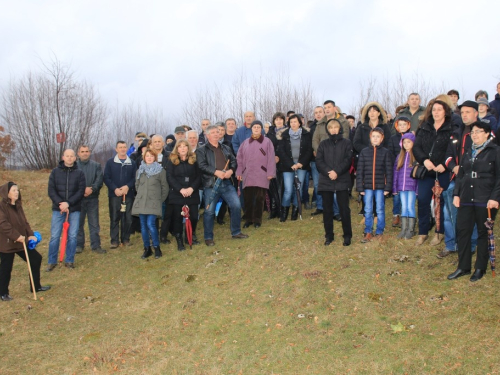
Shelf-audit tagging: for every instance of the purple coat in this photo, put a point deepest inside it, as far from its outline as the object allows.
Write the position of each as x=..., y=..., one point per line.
x=402, y=180
x=256, y=162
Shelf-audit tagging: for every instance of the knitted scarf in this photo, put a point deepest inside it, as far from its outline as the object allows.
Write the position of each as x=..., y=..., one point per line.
x=295, y=135
x=149, y=169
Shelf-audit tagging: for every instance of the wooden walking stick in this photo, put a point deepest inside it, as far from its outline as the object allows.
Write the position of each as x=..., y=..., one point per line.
x=29, y=269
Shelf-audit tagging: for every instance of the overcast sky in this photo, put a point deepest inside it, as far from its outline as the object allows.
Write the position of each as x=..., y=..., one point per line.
x=160, y=51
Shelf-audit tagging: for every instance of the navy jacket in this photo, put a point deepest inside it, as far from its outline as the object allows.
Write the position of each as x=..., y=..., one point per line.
x=67, y=184
x=118, y=174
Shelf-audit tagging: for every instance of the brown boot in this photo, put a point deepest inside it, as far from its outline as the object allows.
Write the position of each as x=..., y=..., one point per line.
x=438, y=238
x=421, y=239
x=396, y=222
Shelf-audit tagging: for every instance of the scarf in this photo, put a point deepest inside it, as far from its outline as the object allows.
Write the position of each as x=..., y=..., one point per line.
x=149, y=169
x=477, y=149
x=295, y=135
x=335, y=137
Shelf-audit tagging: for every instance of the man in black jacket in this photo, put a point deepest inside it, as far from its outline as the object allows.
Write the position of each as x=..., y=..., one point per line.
x=90, y=202
x=212, y=158
x=66, y=190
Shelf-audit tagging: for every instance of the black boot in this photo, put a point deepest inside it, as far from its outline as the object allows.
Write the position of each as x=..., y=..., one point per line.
x=147, y=252
x=180, y=243
x=195, y=239
x=158, y=253
x=295, y=213
x=284, y=214
x=273, y=210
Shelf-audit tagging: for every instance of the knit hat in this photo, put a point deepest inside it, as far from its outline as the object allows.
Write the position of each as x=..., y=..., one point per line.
x=483, y=101
x=257, y=122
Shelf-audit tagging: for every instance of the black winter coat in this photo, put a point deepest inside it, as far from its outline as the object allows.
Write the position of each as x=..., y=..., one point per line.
x=460, y=142
x=67, y=184
x=183, y=176
x=362, y=136
x=394, y=146
x=425, y=139
x=479, y=181
x=375, y=169
x=206, y=162
x=284, y=151
x=334, y=154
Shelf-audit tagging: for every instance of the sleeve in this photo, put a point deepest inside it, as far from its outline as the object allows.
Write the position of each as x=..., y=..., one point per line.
x=197, y=180
x=54, y=196
x=271, y=162
x=358, y=140
x=316, y=138
x=451, y=154
x=307, y=154
x=27, y=226
x=395, y=176
x=6, y=227
x=97, y=185
x=360, y=173
x=172, y=181
x=285, y=160
x=240, y=158
x=131, y=182
x=164, y=185
x=236, y=142
x=418, y=151
x=107, y=176
x=320, y=160
x=495, y=193
x=388, y=171
x=201, y=160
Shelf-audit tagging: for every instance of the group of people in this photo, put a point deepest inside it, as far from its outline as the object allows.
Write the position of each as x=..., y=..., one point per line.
x=266, y=166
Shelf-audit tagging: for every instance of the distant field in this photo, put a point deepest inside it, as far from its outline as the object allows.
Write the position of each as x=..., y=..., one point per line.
x=277, y=303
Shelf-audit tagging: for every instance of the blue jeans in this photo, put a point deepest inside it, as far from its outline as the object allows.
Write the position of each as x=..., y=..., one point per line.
x=148, y=228
x=315, y=177
x=450, y=221
x=396, y=204
x=228, y=194
x=407, y=200
x=289, y=194
x=56, y=227
x=378, y=195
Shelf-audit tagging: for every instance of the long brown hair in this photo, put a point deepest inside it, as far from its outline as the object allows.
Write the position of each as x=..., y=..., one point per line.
x=402, y=155
x=174, y=155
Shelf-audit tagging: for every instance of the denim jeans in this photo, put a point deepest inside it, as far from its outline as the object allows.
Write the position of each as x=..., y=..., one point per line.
x=90, y=209
x=56, y=228
x=450, y=221
x=148, y=229
x=315, y=177
x=369, y=196
x=289, y=195
x=407, y=200
x=396, y=204
x=228, y=194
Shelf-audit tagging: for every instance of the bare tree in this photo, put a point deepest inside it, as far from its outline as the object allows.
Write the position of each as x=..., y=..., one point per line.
x=6, y=146
x=264, y=93
x=41, y=105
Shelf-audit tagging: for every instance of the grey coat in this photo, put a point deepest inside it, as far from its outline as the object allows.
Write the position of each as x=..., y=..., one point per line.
x=151, y=192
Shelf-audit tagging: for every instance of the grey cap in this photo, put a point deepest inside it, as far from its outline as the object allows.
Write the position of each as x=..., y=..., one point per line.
x=483, y=101
x=179, y=129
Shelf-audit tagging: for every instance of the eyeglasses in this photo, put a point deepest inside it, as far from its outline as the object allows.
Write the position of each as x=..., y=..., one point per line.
x=477, y=132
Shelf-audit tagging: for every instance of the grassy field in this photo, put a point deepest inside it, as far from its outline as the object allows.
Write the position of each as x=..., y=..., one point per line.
x=277, y=303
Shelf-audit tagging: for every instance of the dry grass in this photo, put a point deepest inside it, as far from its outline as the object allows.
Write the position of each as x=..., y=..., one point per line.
x=277, y=303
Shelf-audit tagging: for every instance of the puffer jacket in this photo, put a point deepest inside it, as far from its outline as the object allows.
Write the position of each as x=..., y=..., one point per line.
x=183, y=176
x=334, y=153
x=321, y=133
x=362, y=136
x=67, y=184
x=13, y=222
x=401, y=179
x=284, y=151
x=479, y=181
x=374, y=169
x=491, y=121
x=206, y=162
x=394, y=144
x=495, y=104
x=151, y=193
x=426, y=137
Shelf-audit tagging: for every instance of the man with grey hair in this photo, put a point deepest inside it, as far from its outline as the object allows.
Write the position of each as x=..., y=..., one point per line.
x=244, y=132
x=192, y=138
x=90, y=202
x=66, y=191
x=212, y=158
x=202, y=138
x=158, y=146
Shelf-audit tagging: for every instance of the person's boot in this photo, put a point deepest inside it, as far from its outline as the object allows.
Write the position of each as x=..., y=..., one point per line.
x=438, y=238
x=284, y=214
x=147, y=252
x=158, y=253
x=404, y=227
x=180, y=243
x=396, y=221
x=295, y=213
x=195, y=240
x=410, y=230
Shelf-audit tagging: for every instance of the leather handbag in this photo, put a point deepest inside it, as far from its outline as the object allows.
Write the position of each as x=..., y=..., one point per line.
x=419, y=171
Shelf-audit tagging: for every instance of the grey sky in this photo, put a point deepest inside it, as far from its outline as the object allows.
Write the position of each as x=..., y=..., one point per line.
x=158, y=52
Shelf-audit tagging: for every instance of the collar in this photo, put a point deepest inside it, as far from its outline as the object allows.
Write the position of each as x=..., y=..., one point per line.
x=260, y=139
x=126, y=162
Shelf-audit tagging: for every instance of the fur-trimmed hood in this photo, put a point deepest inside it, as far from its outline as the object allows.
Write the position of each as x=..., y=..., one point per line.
x=364, y=113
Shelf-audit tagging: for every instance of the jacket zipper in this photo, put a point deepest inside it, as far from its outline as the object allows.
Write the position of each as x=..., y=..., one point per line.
x=373, y=171
x=404, y=174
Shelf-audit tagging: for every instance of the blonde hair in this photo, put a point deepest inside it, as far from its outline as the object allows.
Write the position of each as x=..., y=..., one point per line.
x=174, y=155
